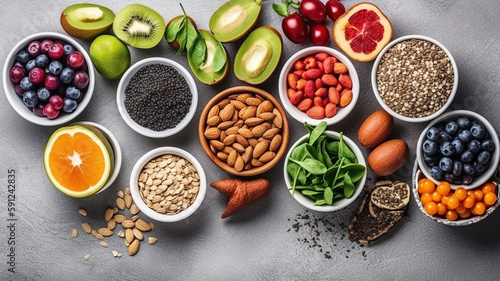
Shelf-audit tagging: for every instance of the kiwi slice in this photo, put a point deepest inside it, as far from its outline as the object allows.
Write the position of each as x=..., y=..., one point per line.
x=139, y=26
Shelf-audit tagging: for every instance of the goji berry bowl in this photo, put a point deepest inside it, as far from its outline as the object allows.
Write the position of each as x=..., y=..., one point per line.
x=318, y=84
x=45, y=86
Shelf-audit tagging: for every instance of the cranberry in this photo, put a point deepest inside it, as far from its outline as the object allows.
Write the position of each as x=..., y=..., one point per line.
x=19, y=90
x=56, y=51
x=37, y=75
x=17, y=73
x=81, y=79
x=75, y=60
x=56, y=102
x=38, y=109
x=34, y=48
x=50, y=111
x=51, y=82
x=45, y=45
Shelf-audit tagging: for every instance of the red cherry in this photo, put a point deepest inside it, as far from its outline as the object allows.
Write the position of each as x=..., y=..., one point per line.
x=334, y=9
x=319, y=34
x=295, y=28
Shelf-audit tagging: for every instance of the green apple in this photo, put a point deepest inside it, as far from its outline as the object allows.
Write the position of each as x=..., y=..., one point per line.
x=110, y=56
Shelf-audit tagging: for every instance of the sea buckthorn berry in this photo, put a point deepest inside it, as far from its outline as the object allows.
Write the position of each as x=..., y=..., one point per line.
x=442, y=209
x=431, y=208
x=453, y=202
x=489, y=198
x=460, y=209
x=426, y=186
x=466, y=214
x=479, y=195
x=425, y=198
x=488, y=187
x=451, y=215
x=444, y=188
x=461, y=193
x=436, y=197
x=445, y=198
x=479, y=208
x=469, y=201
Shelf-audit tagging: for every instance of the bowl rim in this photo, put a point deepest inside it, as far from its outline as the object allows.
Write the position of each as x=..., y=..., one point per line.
x=125, y=79
x=117, y=152
x=386, y=107
x=16, y=102
x=496, y=155
x=302, y=116
x=285, y=132
x=306, y=202
x=417, y=175
x=134, y=187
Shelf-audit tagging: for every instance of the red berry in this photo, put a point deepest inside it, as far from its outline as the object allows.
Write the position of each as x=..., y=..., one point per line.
x=56, y=51
x=51, y=82
x=56, y=102
x=334, y=9
x=75, y=60
x=37, y=75
x=81, y=79
x=34, y=48
x=17, y=73
x=45, y=45
x=319, y=34
x=38, y=109
x=19, y=90
x=50, y=111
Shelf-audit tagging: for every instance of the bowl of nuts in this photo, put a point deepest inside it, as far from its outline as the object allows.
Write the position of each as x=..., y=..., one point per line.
x=244, y=130
x=168, y=184
x=415, y=78
x=48, y=78
x=318, y=84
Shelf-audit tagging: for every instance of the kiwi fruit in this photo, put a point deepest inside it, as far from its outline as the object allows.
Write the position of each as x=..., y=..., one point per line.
x=86, y=21
x=139, y=26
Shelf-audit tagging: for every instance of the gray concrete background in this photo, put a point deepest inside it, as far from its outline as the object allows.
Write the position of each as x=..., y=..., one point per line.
x=261, y=242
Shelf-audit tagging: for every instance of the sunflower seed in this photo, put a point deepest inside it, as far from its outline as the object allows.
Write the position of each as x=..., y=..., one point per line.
x=104, y=244
x=74, y=233
x=134, y=210
x=86, y=227
x=82, y=212
x=120, y=194
x=128, y=201
x=120, y=203
x=129, y=235
x=121, y=234
x=108, y=214
x=86, y=257
x=105, y=231
x=137, y=233
x=152, y=240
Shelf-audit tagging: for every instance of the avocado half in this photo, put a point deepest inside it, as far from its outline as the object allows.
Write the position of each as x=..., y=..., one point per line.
x=206, y=73
x=86, y=21
x=234, y=19
x=258, y=56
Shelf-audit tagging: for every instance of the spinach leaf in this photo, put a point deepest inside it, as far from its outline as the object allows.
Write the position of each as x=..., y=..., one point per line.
x=173, y=29
x=355, y=171
x=293, y=170
x=345, y=151
x=317, y=132
x=349, y=187
x=311, y=165
x=320, y=202
x=220, y=57
x=333, y=147
x=308, y=127
x=328, y=196
x=326, y=157
x=198, y=51
x=300, y=152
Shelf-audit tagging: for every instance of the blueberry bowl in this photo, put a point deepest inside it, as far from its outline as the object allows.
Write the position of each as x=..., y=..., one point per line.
x=48, y=78
x=460, y=147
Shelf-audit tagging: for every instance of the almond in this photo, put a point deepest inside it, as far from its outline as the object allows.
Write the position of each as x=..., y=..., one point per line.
x=260, y=148
x=128, y=223
x=231, y=158
x=239, y=164
x=232, y=130
x=108, y=214
x=330, y=110
x=345, y=98
x=119, y=218
x=243, y=97
x=275, y=143
x=253, y=121
x=214, y=121
x=133, y=247
x=152, y=240
x=267, y=116
x=212, y=133
x=247, y=155
x=245, y=132
x=278, y=120
x=316, y=112
x=105, y=231
x=253, y=101
x=259, y=130
x=238, y=104
x=214, y=111
x=242, y=140
x=143, y=225
x=217, y=144
x=129, y=235
x=345, y=81
x=269, y=134
x=138, y=234
x=227, y=112
x=222, y=156
x=229, y=140
x=225, y=125
x=292, y=80
x=267, y=156
x=256, y=163
x=253, y=142
x=265, y=106
x=238, y=147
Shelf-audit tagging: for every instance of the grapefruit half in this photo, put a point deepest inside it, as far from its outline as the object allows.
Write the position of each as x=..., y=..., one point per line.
x=362, y=32
x=78, y=160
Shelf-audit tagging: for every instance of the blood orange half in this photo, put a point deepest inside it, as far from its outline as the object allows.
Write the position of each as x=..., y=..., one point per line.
x=362, y=32
x=78, y=160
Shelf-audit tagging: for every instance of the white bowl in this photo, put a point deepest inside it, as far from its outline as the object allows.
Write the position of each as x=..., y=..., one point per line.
x=454, y=115
x=16, y=101
x=117, y=152
x=302, y=117
x=308, y=203
x=417, y=175
x=124, y=81
x=134, y=186
x=389, y=109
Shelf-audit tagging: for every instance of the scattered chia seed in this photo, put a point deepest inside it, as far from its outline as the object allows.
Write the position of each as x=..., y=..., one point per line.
x=415, y=78
x=157, y=97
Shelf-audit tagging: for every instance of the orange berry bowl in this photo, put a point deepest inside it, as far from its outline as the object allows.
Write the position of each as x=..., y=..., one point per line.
x=318, y=84
x=454, y=207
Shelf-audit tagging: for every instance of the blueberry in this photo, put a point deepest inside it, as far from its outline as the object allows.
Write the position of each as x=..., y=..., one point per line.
x=72, y=92
x=466, y=156
x=488, y=145
x=483, y=157
x=464, y=123
x=449, y=177
x=477, y=130
x=446, y=164
x=459, y=146
x=68, y=49
x=465, y=136
x=474, y=146
x=457, y=168
x=67, y=75
x=55, y=67
x=444, y=136
x=452, y=128
x=479, y=168
x=468, y=169
x=30, y=65
x=42, y=61
x=30, y=99
x=23, y=57
x=69, y=105
x=430, y=147
x=466, y=179
x=433, y=134
x=432, y=160
x=26, y=84
x=447, y=149
x=437, y=173
x=43, y=94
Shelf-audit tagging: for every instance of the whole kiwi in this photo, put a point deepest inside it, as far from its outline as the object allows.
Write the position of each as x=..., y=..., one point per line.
x=139, y=26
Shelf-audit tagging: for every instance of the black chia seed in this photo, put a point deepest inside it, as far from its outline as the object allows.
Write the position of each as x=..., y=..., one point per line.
x=157, y=97
x=415, y=78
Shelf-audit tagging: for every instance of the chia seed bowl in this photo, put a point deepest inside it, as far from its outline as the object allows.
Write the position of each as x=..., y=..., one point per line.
x=415, y=78
x=157, y=97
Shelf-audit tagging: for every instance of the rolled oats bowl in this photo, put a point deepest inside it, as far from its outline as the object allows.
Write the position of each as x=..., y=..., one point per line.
x=415, y=78
x=168, y=184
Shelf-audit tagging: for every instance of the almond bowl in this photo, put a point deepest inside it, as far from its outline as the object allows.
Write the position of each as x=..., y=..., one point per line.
x=244, y=131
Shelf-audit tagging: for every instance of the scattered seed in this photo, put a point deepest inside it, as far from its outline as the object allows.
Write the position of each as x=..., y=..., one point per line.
x=134, y=210
x=104, y=244
x=128, y=201
x=128, y=223
x=120, y=193
x=86, y=257
x=152, y=240
x=115, y=253
x=129, y=235
x=120, y=203
x=111, y=224
x=127, y=191
x=137, y=233
x=142, y=225
x=108, y=214
x=133, y=248
x=104, y=231
x=82, y=212
x=74, y=233
x=121, y=234
x=119, y=218
x=86, y=227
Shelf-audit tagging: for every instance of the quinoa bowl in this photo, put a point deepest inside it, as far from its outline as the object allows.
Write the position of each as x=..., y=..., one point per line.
x=157, y=97
x=415, y=78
